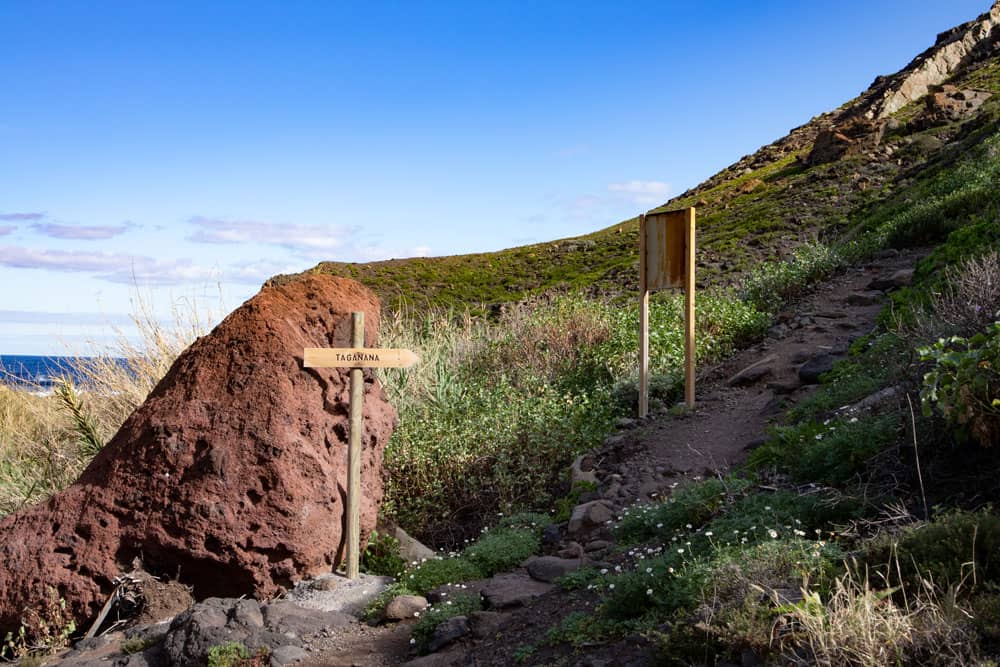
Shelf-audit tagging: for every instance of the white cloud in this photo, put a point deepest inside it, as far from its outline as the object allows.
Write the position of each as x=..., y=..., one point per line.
x=129, y=269
x=642, y=192
x=20, y=217
x=300, y=238
x=420, y=251
x=80, y=232
x=6, y=229
x=45, y=317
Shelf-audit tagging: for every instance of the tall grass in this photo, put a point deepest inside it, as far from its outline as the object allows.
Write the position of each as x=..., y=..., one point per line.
x=497, y=409
x=38, y=453
x=46, y=440
x=120, y=376
x=863, y=626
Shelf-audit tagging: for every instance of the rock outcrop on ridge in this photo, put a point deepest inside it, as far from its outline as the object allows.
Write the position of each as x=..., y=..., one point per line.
x=231, y=476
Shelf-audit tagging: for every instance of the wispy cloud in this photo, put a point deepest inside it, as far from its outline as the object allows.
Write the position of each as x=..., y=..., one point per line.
x=45, y=317
x=21, y=217
x=300, y=238
x=80, y=232
x=6, y=229
x=642, y=192
x=129, y=269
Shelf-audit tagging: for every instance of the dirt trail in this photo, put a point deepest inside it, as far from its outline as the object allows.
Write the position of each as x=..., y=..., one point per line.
x=737, y=400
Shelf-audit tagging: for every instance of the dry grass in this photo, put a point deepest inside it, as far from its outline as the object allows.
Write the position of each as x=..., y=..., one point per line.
x=38, y=452
x=444, y=341
x=47, y=440
x=119, y=377
x=968, y=303
x=860, y=626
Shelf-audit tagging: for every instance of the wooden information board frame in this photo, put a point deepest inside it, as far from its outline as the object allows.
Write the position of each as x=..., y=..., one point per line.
x=667, y=259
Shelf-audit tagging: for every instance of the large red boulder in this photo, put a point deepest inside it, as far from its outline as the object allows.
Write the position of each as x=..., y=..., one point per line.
x=231, y=476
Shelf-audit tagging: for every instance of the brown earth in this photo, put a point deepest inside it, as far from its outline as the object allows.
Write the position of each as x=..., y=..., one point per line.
x=231, y=477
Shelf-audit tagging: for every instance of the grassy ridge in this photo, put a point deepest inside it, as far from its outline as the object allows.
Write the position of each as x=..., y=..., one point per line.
x=746, y=216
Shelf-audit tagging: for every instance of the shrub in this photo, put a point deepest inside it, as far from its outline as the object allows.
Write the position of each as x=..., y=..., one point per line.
x=439, y=571
x=534, y=522
x=771, y=284
x=564, y=506
x=502, y=549
x=382, y=557
x=967, y=301
x=692, y=504
x=462, y=604
x=859, y=625
x=683, y=577
x=830, y=452
x=873, y=365
x=956, y=548
x=229, y=654
x=45, y=628
x=963, y=384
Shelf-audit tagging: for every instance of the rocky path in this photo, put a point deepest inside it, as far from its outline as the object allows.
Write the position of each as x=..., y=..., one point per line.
x=642, y=462
x=738, y=399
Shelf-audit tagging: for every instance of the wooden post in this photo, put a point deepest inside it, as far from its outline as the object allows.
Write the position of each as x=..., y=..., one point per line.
x=689, y=344
x=643, y=322
x=356, y=358
x=354, y=452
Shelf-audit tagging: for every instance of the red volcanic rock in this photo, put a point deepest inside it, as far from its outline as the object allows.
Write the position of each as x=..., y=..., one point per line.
x=232, y=475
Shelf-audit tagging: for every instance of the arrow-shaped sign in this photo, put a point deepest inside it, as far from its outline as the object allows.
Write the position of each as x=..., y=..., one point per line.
x=353, y=357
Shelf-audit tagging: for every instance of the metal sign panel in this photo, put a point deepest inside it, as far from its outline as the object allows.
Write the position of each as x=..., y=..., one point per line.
x=666, y=249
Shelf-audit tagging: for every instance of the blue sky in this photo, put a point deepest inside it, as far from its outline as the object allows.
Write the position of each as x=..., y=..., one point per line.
x=176, y=151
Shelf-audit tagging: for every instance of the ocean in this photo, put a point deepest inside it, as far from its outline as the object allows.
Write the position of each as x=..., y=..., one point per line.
x=37, y=372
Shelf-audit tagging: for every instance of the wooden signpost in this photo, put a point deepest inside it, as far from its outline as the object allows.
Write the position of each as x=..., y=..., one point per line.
x=356, y=358
x=666, y=259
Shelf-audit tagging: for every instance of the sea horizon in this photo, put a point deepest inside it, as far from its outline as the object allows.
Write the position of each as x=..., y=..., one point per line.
x=40, y=370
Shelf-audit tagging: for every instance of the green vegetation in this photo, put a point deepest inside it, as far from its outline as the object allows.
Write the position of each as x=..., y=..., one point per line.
x=496, y=411
x=229, y=654
x=381, y=556
x=963, y=384
x=45, y=628
x=140, y=644
x=501, y=548
x=462, y=603
x=720, y=565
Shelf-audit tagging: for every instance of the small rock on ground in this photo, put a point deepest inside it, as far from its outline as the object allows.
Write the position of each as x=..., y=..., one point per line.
x=512, y=589
x=550, y=568
x=404, y=606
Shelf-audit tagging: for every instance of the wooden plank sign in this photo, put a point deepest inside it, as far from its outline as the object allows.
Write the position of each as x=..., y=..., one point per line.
x=666, y=259
x=350, y=357
x=666, y=246
x=356, y=358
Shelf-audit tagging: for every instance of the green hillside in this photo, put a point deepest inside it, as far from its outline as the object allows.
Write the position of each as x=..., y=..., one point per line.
x=761, y=208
